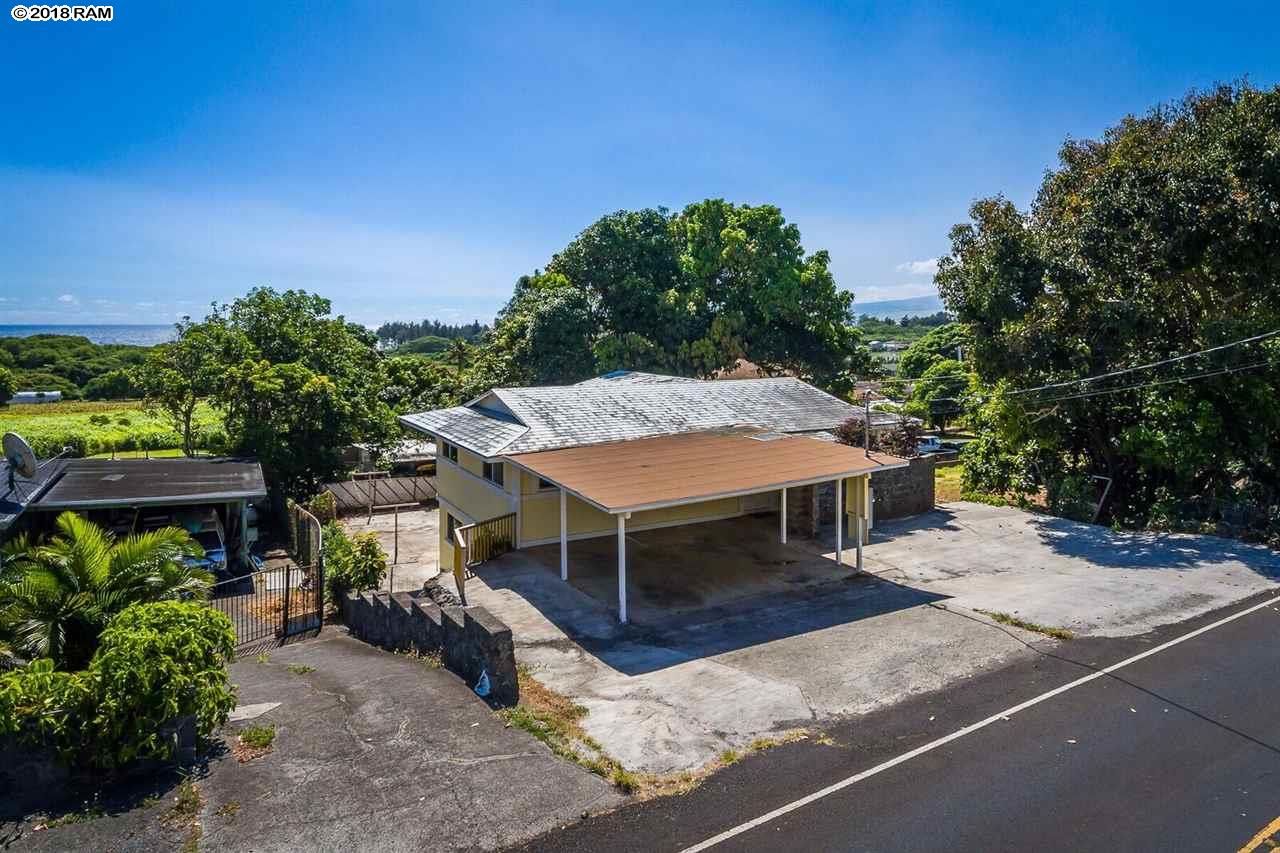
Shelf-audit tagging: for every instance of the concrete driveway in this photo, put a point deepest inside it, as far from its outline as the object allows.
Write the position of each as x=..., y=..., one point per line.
x=411, y=540
x=1089, y=579
x=808, y=641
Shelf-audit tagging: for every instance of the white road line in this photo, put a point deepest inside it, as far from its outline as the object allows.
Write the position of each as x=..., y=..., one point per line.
x=970, y=729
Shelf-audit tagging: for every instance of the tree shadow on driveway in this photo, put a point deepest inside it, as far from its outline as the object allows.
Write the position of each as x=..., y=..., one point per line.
x=1108, y=548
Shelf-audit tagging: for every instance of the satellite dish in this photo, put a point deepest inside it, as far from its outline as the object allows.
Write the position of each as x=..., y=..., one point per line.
x=19, y=455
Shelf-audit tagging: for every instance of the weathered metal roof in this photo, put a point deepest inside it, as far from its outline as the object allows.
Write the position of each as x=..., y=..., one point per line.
x=671, y=470
x=596, y=411
x=89, y=483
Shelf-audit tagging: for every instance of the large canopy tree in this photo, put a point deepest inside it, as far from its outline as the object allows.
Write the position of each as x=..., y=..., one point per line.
x=1161, y=238
x=688, y=293
x=296, y=384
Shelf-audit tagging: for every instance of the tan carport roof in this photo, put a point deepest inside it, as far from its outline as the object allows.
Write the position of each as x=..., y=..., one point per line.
x=648, y=473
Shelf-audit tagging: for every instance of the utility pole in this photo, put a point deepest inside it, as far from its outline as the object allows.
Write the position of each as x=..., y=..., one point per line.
x=866, y=423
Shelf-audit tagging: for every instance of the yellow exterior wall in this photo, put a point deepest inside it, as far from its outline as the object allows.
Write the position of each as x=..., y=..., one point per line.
x=474, y=498
x=857, y=503
x=463, y=488
x=540, y=516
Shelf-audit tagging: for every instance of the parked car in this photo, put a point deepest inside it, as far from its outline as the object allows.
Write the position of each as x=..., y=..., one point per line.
x=929, y=444
x=206, y=528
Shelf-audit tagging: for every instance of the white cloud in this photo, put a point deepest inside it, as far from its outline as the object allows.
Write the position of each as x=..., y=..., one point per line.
x=879, y=293
x=67, y=299
x=928, y=267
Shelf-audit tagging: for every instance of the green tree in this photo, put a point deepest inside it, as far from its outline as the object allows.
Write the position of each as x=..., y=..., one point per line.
x=781, y=305
x=298, y=386
x=113, y=385
x=688, y=294
x=56, y=597
x=177, y=376
x=8, y=384
x=943, y=342
x=459, y=355
x=940, y=393
x=1156, y=240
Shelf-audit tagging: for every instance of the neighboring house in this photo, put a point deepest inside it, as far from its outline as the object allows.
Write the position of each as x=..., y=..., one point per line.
x=633, y=451
x=34, y=397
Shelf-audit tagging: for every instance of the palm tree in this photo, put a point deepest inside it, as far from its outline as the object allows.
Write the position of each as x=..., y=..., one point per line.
x=458, y=353
x=57, y=596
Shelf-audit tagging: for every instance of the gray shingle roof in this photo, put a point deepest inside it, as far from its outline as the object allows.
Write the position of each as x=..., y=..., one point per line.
x=610, y=410
x=477, y=430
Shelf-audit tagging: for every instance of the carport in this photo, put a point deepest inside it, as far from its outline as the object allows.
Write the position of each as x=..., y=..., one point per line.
x=625, y=477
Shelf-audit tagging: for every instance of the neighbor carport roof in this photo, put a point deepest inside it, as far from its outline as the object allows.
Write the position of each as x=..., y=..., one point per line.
x=669, y=470
x=100, y=483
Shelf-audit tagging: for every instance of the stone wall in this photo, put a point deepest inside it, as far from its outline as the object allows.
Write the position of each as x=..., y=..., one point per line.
x=469, y=640
x=901, y=492
x=802, y=512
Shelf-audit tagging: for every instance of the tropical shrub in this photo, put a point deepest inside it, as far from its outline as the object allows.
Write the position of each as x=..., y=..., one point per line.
x=324, y=507
x=157, y=663
x=351, y=563
x=57, y=596
x=900, y=441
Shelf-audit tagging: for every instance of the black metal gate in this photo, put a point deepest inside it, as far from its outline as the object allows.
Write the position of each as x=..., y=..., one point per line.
x=275, y=603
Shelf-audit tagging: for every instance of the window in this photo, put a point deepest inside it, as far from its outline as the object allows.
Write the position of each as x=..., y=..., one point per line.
x=449, y=524
x=493, y=472
x=543, y=485
x=449, y=451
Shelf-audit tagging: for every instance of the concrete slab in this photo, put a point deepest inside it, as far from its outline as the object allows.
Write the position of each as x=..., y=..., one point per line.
x=689, y=568
x=748, y=638
x=1090, y=579
x=419, y=548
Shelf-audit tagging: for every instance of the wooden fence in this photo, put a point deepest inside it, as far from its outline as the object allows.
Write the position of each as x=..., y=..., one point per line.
x=352, y=495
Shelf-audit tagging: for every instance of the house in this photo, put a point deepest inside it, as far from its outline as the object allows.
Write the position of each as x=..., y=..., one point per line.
x=25, y=397
x=631, y=451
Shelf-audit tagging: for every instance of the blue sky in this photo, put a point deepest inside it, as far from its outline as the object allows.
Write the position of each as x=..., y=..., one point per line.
x=412, y=160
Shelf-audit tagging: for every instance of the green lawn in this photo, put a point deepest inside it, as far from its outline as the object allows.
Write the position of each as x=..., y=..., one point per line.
x=947, y=483
x=95, y=429
x=161, y=453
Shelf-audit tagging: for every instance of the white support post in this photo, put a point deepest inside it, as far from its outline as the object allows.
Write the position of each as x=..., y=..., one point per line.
x=782, y=524
x=859, y=524
x=564, y=537
x=839, y=523
x=622, y=567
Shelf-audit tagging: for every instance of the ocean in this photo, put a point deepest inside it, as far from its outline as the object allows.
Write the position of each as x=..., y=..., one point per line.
x=139, y=335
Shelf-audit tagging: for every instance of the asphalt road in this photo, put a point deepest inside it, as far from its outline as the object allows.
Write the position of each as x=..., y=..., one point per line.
x=1179, y=751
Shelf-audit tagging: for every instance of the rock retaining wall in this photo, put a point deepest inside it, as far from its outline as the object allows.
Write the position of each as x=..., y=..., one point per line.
x=469, y=640
x=901, y=492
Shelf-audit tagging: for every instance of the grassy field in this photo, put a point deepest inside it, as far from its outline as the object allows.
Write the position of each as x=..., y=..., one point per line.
x=947, y=485
x=99, y=428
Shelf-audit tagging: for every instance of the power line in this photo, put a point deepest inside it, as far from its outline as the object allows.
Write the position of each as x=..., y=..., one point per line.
x=1264, y=336
x=1141, y=385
